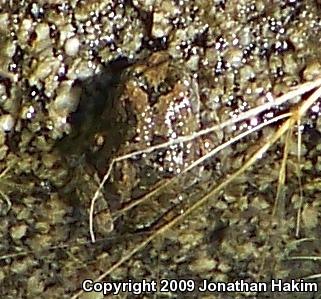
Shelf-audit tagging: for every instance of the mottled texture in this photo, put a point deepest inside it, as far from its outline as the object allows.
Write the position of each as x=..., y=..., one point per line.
x=82, y=82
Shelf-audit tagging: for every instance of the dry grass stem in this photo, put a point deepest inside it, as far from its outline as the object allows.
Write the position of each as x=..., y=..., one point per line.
x=279, y=200
x=297, y=230
x=3, y=194
x=310, y=277
x=301, y=112
x=306, y=258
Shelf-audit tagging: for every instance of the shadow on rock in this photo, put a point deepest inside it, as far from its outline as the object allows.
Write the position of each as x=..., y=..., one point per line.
x=100, y=124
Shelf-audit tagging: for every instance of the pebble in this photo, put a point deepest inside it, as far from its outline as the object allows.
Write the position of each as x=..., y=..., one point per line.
x=234, y=57
x=145, y=4
x=72, y=46
x=161, y=25
x=43, y=69
x=67, y=99
x=18, y=231
x=92, y=295
x=79, y=70
x=310, y=217
x=4, y=21
x=6, y=123
x=35, y=285
x=246, y=73
x=203, y=264
x=312, y=71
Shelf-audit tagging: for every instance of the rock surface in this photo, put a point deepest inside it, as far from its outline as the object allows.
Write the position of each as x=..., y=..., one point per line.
x=83, y=82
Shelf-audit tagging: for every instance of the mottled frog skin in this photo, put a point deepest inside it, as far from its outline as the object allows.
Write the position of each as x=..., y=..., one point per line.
x=165, y=102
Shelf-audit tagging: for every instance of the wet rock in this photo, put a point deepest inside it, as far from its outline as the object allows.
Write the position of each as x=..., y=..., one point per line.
x=6, y=123
x=17, y=232
x=234, y=57
x=72, y=46
x=312, y=71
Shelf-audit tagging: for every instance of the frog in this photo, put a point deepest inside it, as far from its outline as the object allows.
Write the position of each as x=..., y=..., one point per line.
x=157, y=100
x=165, y=102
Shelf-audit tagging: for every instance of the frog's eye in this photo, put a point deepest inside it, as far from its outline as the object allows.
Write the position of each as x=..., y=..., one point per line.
x=99, y=141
